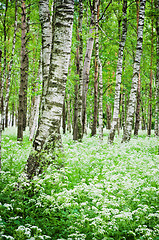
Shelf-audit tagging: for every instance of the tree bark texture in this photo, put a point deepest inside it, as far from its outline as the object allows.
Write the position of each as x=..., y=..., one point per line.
x=76, y=89
x=99, y=63
x=136, y=69
x=137, y=119
x=68, y=114
x=123, y=110
x=35, y=107
x=47, y=135
x=86, y=70
x=115, y=121
x=151, y=78
x=95, y=112
x=78, y=133
x=79, y=122
x=46, y=29
x=6, y=100
x=4, y=64
x=24, y=75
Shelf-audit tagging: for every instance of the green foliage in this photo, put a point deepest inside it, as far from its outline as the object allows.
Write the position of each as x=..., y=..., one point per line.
x=102, y=192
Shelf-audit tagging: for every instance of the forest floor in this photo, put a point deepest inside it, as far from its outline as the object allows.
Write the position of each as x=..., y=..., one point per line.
x=101, y=191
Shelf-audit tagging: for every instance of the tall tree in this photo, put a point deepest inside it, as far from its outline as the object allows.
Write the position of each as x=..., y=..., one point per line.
x=46, y=29
x=24, y=75
x=151, y=78
x=136, y=69
x=77, y=130
x=47, y=136
x=137, y=119
x=86, y=66
x=119, y=75
x=6, y=99
x=100, y=84
x=4, y=62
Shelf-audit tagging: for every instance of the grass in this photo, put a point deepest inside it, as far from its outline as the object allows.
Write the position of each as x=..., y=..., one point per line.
x=102, y=192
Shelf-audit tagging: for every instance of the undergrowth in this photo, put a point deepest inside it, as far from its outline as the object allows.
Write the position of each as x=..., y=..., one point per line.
x=102, y=191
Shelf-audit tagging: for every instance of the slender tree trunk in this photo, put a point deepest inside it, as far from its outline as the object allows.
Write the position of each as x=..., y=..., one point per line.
x=6, y=100
x=123, y=110
x=136, y=69
x=64, y=117
x=47, y=135
x=26, y=69
x=157, y=75
x=80, y=132
x=44, y=14
x=108, y=111
x=68, y=114
x=137, y=119
x=23, y=75
x=86, y=70
x=12, y=116
x=115, y=121
x=143, y=117
x=151, y=78
x=35, y=107
x=99, y=64
x=95, y=112
x=77, y=133
x=75, y=117
x=4, y=65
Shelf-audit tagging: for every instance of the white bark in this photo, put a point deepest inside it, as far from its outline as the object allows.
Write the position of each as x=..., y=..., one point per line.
x=136, y=69
x=115, y=121
x=35, y=108
x=86, y=69
x=100, y=110
x=44, y=14
x=79, y=121
x=11, y=62
x=47, y=135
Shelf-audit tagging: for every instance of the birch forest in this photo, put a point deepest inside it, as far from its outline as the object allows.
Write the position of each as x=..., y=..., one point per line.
x=79, y=119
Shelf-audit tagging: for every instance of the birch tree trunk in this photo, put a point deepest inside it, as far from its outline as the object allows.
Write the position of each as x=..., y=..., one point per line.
x=137, y=119
x=86, y=70
x=46, y=29
x=151, y=78
x=123, y=110
x=35, y=107
x=24, y=68
x=68, y=114
x=46, y=141
x=4, y=64
x=95, y=112
x=100, y=84
x=157, y=75
x=115, y=121
x=6, y=100
x=136, y=69
x=77, y=130
x=79, y=122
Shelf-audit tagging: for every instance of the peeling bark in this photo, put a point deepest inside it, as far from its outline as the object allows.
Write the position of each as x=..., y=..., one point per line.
x=47, y=143
x=136, y=69
x=114, y=124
